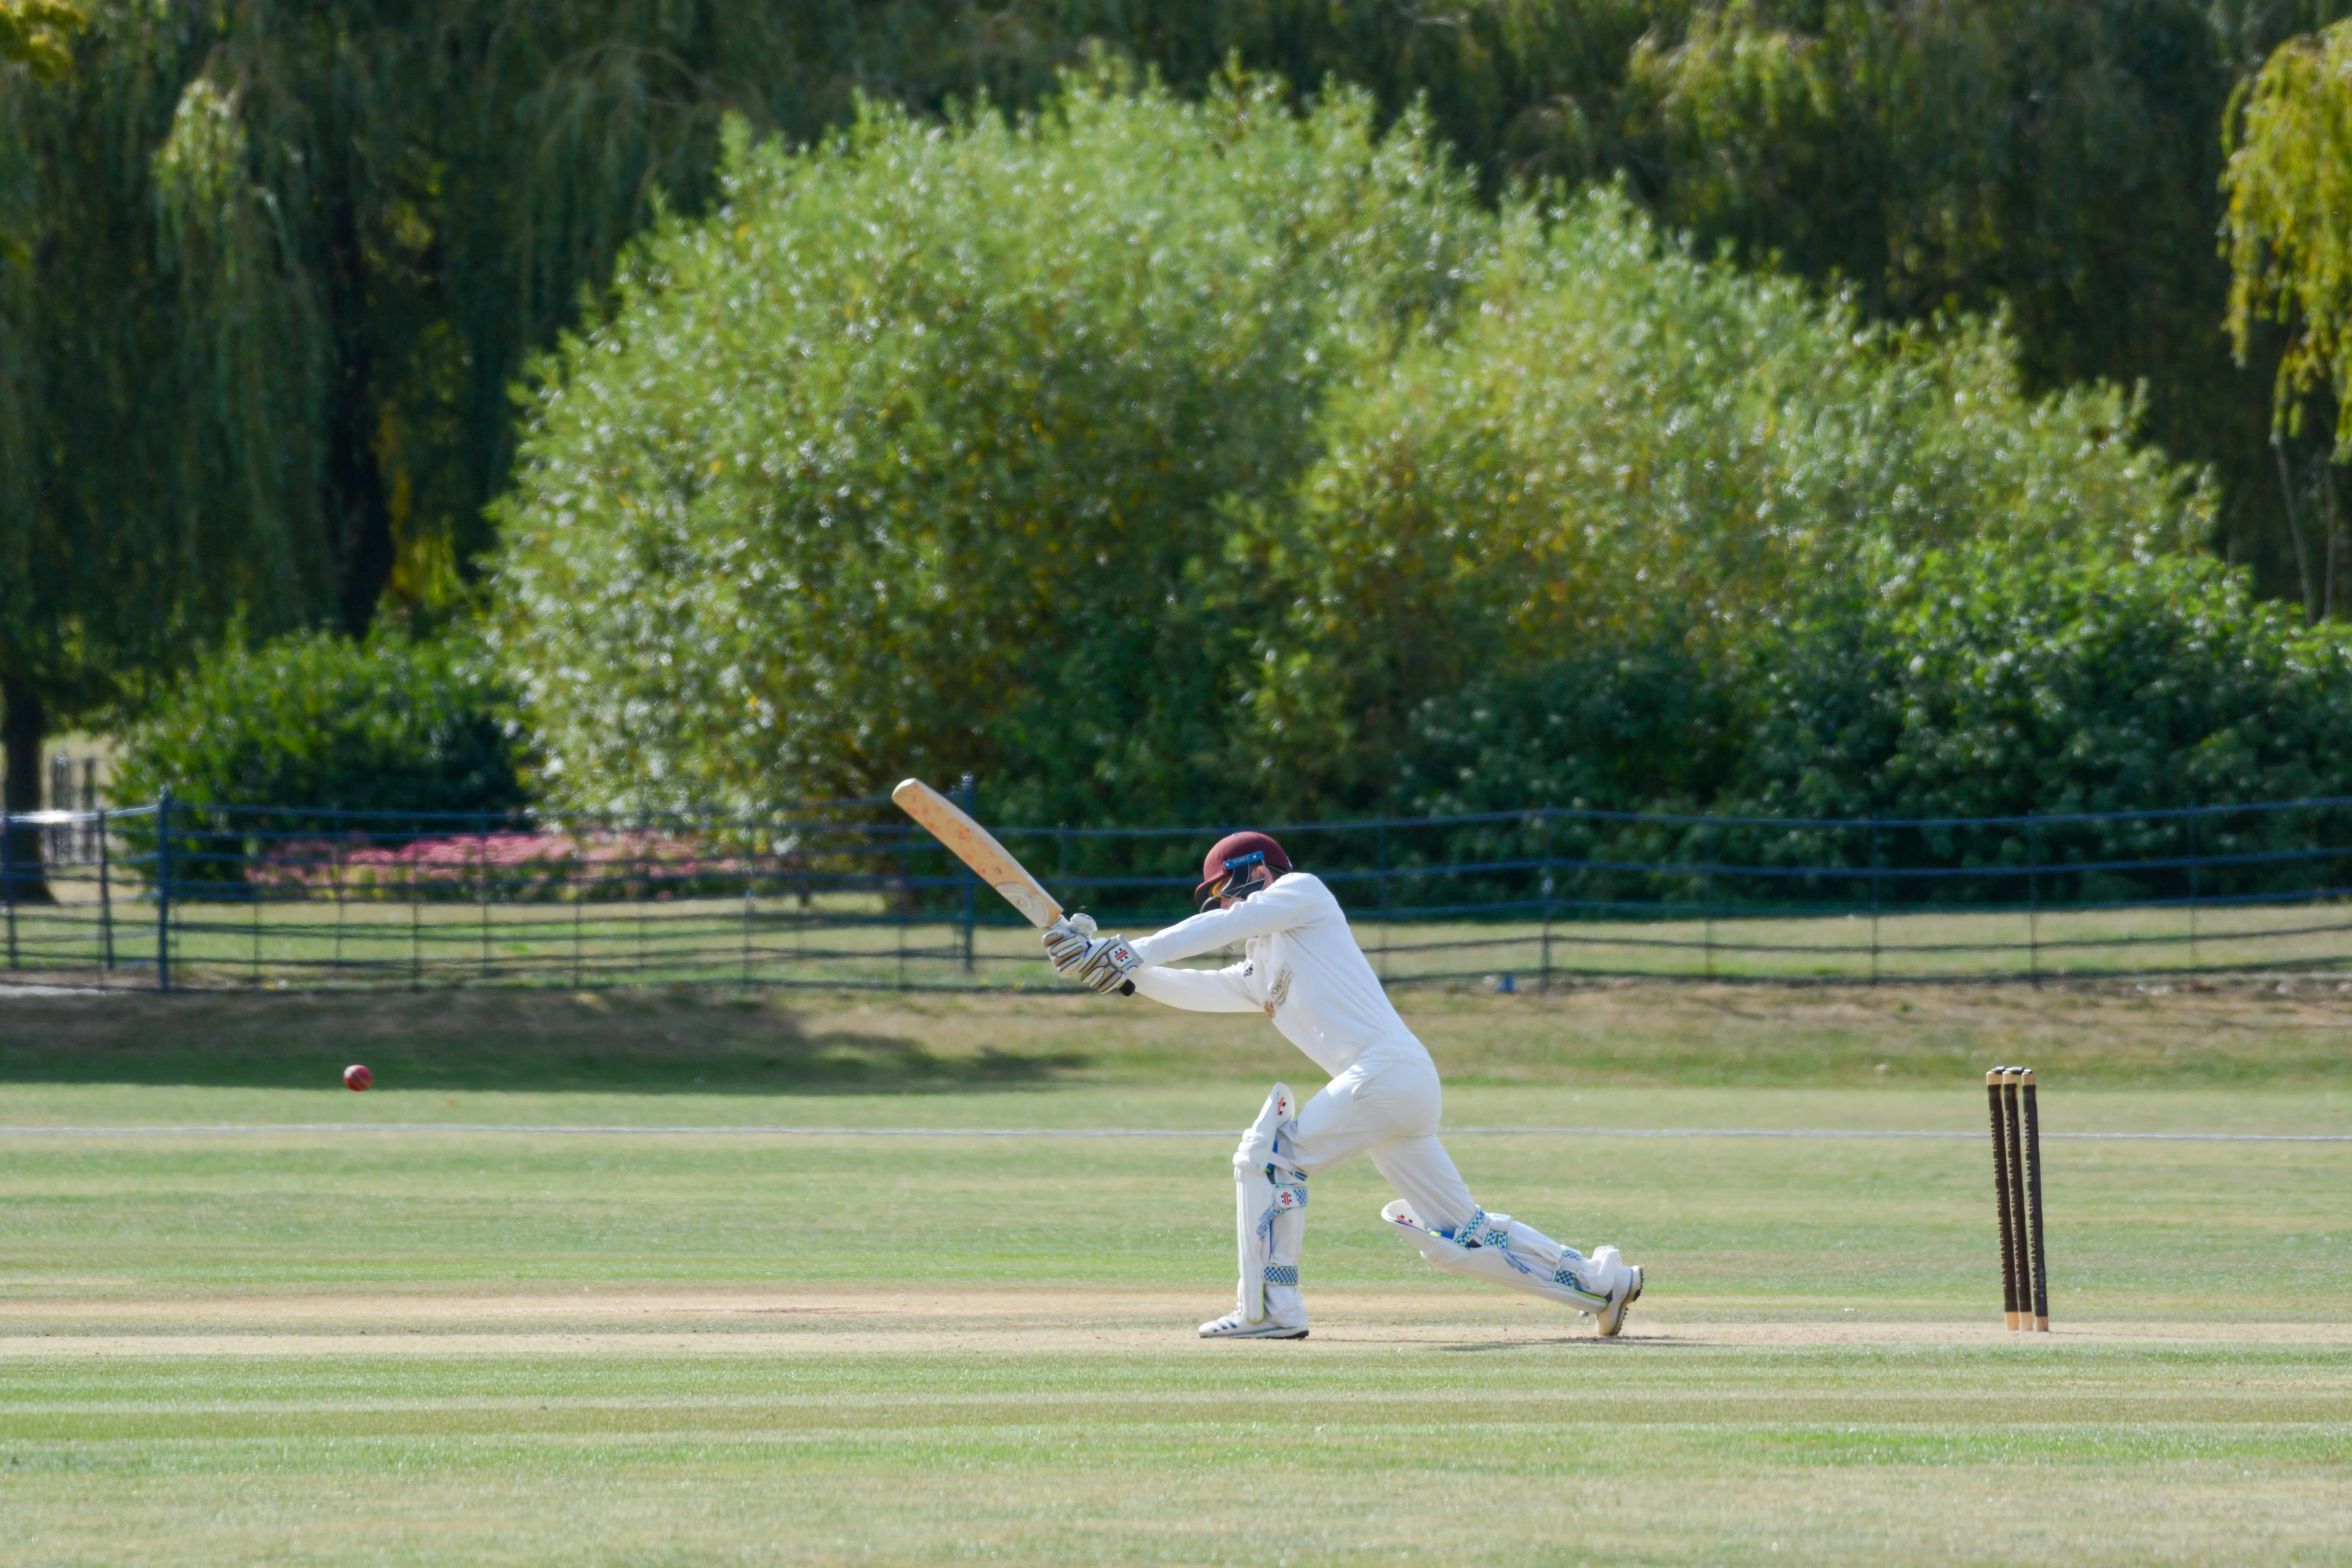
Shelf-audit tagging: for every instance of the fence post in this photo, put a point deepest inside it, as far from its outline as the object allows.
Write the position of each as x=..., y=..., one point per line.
x=970, y=790
x=1873, y=900
x=898, y=893
x=1706, y=891
x=2034, y=901
x=1543, y=985
x=163, y=893
x=2194, y=962
x=105, y=900
x=60, y=837
x=644, y=885
x=747, y=857
x=8, y=877
x=1380, y=856
x=482, y=887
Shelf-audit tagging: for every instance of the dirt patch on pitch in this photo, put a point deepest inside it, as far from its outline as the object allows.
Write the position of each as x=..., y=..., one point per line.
x=952, y=1322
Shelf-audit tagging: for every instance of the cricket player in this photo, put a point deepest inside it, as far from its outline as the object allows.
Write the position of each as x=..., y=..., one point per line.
x=1302, y=968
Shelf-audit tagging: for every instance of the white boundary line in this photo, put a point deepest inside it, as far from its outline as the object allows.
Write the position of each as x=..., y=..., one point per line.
x=248, y=1129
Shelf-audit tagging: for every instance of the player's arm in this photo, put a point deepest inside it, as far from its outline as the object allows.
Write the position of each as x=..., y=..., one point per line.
x=1198, y=990
x=1292, y=902
x=1111, y=963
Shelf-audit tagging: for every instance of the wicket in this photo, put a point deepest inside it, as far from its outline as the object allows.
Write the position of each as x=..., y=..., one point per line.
x=2016, y=1192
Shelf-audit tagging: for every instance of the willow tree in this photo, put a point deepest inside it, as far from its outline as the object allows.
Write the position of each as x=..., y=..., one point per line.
x=2290, y=233
x=2058, y=159
x=38, y=34
x=2290, y=250
x=150, y=494
x=271, y=271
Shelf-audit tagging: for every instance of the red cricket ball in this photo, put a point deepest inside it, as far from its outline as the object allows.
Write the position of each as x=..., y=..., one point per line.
x=357, y=1077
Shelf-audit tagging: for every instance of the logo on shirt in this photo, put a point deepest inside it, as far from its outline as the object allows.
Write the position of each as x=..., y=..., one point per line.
x=1278, y=991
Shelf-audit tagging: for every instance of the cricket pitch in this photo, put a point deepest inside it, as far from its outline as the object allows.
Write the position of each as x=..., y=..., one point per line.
x=438, y=1327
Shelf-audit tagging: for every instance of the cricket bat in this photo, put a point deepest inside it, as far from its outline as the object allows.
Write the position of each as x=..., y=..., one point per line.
x=978, y=849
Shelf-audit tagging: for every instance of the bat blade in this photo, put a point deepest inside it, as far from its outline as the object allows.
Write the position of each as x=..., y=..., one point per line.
x=978, y=849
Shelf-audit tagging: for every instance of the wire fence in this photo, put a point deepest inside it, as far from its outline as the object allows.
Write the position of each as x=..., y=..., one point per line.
x=848, y=893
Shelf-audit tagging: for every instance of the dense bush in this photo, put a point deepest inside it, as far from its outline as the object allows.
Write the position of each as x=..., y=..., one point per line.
x=1994, y=682
x=1632, y=728
x=317, y=721
x=920, y=455
x=1986, y=681
x=1623, y=447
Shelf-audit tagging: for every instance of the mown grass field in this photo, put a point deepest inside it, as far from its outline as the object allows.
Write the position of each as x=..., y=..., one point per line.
x=422, y=1344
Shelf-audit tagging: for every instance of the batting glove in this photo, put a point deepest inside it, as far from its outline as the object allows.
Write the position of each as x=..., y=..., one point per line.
x=1066, y=940
x=1108, y=963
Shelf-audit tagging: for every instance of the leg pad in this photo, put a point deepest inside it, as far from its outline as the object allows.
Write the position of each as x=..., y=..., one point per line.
x=1270, y=1213
x=1490, y=1255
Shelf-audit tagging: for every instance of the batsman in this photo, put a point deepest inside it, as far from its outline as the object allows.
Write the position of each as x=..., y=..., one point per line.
x=1301, y=967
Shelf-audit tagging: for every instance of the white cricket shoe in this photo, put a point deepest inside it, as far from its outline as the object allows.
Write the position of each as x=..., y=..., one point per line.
x=1624, y=1290
x=1234, y=1326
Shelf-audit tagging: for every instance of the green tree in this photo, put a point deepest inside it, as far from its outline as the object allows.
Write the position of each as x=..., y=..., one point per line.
x=2290, y=247
x=441, y=181
x=921, y=451
x=275, y=270
x=2059, y=163
x=445, y=180
x=38, y=34
x=280, y=265
x=390, y=207
x=1170, y=457
x=1625, y=451
x=148, y=496
x=35, y=47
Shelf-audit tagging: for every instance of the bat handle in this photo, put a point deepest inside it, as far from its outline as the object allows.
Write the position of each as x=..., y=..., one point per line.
x=1127, y=988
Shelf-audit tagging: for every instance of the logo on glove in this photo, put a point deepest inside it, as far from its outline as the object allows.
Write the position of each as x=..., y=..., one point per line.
x=1103, y=962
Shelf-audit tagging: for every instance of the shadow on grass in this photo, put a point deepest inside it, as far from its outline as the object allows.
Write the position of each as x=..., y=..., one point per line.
x=685, y=1042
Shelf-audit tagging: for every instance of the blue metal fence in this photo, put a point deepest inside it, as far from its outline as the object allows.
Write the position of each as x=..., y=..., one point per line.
x=174, y=895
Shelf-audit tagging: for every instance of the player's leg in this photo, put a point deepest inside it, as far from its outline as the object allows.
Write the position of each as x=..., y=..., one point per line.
x=1286, y=1144
x=1270, y=1228
x=1446, y=1226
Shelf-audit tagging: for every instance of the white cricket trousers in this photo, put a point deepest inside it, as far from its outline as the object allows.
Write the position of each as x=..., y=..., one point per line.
x=1387, y=1104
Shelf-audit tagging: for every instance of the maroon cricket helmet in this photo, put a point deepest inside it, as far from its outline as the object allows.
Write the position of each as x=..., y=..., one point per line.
x=1236, y=853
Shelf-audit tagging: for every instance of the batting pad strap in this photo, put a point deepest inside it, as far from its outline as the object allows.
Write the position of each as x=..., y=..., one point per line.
x=1282, y=1274
x=1570, y=1282
x=1480, y=1231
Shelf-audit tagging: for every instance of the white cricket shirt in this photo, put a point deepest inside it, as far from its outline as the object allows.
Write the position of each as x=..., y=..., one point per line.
x=1302, y=969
